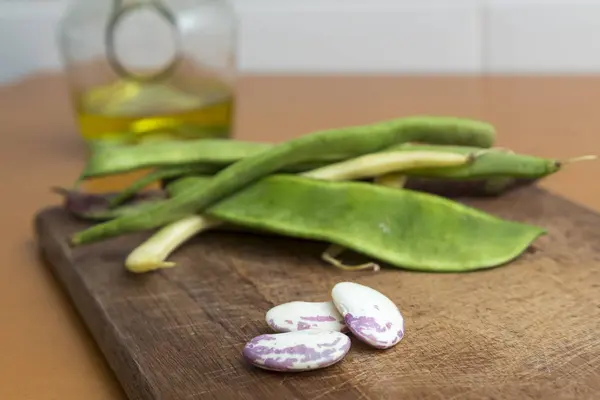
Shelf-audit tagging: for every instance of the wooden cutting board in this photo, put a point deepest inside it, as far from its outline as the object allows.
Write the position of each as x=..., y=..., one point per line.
x=527, y=330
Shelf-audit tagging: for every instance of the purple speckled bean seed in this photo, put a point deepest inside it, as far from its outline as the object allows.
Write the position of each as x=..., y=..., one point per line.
x=301, y=315
x=302, y=326
x=279, y=328
x=320, y=318
x=369, y=315
x=297, y=351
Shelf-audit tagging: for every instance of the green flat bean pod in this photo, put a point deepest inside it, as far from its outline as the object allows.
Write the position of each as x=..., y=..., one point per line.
x=406, y=229
x=176, y=187
x=153, y=176
x=213, y=154
x=375, y=164
x=367, y=166
x=490, y=162
x=210, y=155
x=456, y=188
x=112, y=213
x=219, y=153
x=492, y=172
x=352, y=141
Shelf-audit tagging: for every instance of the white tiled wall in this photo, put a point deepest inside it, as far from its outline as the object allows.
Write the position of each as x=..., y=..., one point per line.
x=542, y=36
x=372, y=36
x=364, y=36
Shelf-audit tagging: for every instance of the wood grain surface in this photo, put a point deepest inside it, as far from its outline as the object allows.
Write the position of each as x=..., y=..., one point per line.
x=527, y=330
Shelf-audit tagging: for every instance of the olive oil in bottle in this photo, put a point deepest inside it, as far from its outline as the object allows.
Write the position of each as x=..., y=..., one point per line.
x=132, y=112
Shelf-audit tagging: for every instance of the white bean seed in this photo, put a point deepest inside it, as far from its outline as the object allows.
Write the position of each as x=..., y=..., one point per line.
x=301, y=315
x=371, y=316
x=297, y=351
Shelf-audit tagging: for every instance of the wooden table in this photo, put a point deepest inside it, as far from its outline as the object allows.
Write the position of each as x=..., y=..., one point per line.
x=46, y=351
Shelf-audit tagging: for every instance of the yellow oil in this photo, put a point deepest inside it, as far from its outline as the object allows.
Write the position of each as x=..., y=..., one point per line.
x=130, y=112
x=133, y=112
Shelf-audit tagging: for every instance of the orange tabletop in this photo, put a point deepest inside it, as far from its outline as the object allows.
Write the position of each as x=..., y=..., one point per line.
x=47, y=352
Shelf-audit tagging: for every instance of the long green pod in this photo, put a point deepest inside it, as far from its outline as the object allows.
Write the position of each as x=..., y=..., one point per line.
x=480, y=187
x=366, y=166
x=154, y=176
x=178, y=186
x=210, y=155
x=206, y=155
x=370, y=165
x=404, y=228
x=492, y=172
x=355, y=141
x=375, y=164
x=491, y=162
x=456, y=188
x=167, y=240
x=213, y=153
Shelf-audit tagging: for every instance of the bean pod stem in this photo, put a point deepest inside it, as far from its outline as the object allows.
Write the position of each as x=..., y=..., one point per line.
x=330, y=256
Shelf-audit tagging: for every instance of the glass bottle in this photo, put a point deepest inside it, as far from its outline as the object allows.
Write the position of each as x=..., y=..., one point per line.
x=143, y=70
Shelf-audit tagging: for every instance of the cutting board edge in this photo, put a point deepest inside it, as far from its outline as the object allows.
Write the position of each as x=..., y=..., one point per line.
x=134, y=384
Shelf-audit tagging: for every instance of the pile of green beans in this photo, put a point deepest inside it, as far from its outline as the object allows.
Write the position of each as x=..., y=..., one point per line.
x=216, y=154
x=253, y=185
x=352, y=141
x=490, y=175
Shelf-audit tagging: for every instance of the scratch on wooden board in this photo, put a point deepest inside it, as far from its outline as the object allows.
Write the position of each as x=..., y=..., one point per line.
x=143, y=298
x=472, y=389
x=356, y=379
x=546, y=360
x=570, y=355
x=582, y=370
x=363, y=395
x=190, y=325
x=222, y=373
x=197, y=395
x=444, y=358
x=331, y=390
x=557, y=280
x=194, y=325
x=241, y=272
x=284, y=380
x=210, y=393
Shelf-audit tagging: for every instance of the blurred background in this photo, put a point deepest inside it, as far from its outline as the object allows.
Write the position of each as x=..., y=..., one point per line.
x=360, y=36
